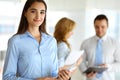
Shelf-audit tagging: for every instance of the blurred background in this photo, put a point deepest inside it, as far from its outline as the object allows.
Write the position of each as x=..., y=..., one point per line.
x=81, y=11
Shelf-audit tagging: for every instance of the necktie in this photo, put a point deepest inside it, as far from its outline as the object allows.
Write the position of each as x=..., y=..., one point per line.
x=99, y=56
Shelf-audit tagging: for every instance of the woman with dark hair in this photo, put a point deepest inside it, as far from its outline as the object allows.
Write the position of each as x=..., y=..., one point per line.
x=31, y=52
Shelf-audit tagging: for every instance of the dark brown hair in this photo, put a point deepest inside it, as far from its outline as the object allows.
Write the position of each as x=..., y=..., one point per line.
x=101, y=17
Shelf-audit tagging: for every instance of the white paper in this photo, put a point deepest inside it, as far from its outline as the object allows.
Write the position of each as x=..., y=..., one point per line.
x=73, y=57
x=72, y=68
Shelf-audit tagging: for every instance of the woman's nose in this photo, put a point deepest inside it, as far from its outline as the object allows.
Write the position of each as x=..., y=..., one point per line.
x=37, y=15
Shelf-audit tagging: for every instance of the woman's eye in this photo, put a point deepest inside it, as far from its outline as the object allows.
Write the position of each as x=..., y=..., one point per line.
x=32, y=11
x=42, y=12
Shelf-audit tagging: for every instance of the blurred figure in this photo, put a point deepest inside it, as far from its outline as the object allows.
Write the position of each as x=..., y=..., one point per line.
x=101, y=50
x=63, y=31
x=31, y=52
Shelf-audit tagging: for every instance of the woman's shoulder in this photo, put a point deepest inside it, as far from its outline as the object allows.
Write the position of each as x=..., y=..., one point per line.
x=48, y=37
x=13, y=39
x=62, y=44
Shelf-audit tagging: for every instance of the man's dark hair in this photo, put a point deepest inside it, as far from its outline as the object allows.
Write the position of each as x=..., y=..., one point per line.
x=101, y=17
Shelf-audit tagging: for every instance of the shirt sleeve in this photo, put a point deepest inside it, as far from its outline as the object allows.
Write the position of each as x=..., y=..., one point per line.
x=10, y=65
x=63, y=52
x=83, y=65
x=115, y=66
x=54, y=59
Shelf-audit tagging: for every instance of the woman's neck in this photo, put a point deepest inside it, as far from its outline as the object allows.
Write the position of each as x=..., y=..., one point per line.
x=35, y=33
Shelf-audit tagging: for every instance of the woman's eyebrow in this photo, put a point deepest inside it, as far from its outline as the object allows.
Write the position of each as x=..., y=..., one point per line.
x=36, y=9
x=33, y=9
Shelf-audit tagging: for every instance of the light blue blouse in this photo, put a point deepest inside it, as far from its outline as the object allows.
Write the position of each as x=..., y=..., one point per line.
x=30, y=59
x=63, y=52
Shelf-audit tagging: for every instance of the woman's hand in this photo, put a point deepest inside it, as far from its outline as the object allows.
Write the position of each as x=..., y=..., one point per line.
x=46, y=78
x=64, y=75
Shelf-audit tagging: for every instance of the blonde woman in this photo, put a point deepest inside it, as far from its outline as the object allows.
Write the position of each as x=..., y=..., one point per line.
x=63, y=31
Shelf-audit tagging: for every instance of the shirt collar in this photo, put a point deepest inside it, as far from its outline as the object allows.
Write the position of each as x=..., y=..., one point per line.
x=103, y=38
x=27, y=34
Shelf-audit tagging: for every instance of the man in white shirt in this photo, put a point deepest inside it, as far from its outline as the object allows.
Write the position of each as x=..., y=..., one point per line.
x=110, y=51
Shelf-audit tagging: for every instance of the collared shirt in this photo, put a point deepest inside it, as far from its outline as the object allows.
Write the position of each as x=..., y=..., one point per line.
x=111, y=55
x=30, y=59
x=63, y=52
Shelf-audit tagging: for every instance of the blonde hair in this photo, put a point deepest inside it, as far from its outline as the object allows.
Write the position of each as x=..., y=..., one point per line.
x=63, y=26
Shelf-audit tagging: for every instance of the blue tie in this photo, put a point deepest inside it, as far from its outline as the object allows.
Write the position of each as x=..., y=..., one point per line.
x=99, y=56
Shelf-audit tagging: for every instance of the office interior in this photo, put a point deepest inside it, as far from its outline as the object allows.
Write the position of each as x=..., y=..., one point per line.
x=81, y=11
